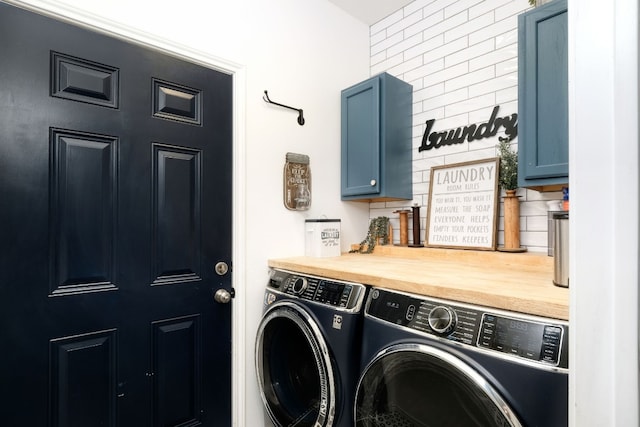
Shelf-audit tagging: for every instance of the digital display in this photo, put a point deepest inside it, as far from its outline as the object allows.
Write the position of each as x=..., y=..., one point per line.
x=518, y=337
x=330, y=292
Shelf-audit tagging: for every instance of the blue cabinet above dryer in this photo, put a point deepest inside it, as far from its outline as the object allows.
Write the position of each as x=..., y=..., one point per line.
x=376, y=117
x=543, y=134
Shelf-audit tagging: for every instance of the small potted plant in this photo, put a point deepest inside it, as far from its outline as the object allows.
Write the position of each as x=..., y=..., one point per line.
x=378, y=234
x=508, y=180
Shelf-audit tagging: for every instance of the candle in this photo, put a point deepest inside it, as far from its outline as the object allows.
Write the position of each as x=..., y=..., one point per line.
x=416, y=227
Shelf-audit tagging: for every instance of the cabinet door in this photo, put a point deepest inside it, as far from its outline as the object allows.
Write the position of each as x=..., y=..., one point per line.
x=543, y=96
x=360, y=112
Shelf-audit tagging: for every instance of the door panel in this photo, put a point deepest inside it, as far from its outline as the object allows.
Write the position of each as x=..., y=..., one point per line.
x=177, y=388
x=83, y=191
x=115, y=181
x=83, y=383
x=177, y=192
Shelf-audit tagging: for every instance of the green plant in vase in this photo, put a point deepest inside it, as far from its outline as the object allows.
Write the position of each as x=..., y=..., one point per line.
x=508, y=180
x=378, y=233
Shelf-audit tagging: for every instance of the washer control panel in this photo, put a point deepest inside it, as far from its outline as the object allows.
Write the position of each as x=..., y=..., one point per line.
x=513, y=335
x=325, y=291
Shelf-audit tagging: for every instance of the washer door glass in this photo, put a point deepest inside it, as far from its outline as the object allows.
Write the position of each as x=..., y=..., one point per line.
x=416, y=385
x=294, y=369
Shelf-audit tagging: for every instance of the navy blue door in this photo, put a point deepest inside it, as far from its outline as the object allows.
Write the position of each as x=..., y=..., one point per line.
x=115, y=206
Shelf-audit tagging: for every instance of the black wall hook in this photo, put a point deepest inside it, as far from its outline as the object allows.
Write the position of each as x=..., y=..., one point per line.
x=299, y=110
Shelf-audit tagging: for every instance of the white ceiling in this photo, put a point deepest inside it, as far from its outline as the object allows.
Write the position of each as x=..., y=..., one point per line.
x=370, y=11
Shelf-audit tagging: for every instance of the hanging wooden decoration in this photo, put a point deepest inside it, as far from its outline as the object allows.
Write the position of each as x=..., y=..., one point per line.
x=297, y=182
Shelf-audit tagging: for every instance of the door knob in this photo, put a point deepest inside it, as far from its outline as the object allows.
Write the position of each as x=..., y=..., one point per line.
x=222, y=296
x=373, y=182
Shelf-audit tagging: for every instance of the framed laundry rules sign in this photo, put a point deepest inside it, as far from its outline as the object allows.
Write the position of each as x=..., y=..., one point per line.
x=463, y=205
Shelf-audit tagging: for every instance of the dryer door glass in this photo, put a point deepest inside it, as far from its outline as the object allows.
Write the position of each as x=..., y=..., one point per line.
x=426, y=387
x=294, y=370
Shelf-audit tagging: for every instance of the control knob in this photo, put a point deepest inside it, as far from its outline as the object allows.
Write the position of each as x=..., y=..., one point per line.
x=299, y=285
x=442, y=320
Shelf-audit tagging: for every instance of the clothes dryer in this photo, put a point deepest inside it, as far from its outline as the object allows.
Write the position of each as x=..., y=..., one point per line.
x=307, y=349
x=436, y=363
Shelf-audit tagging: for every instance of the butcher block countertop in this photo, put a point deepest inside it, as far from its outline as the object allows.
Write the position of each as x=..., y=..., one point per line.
x=519, y=282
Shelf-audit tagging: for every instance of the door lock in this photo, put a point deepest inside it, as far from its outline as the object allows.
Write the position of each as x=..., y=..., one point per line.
x=221, y=268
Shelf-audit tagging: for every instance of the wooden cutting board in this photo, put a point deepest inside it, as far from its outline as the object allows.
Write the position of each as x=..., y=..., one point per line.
x=519, y=282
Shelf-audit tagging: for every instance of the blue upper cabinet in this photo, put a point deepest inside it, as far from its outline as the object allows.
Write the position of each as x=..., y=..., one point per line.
x=376, y=140
x=543, y=135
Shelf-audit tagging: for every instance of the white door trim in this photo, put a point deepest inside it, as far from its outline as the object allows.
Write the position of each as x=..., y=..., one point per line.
x=127, y=33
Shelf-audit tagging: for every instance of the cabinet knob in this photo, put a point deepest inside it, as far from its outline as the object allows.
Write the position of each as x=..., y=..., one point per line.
x=373, y=182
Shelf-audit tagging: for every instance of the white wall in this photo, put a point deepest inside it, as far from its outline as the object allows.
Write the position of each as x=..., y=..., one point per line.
x=303, y=53
x=462, y=59
x=603, y=148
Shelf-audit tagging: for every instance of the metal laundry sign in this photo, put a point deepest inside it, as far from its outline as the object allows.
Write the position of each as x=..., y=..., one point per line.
x=470, y=132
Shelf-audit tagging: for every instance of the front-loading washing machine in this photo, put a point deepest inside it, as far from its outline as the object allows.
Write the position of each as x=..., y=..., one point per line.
x=308, y=349
x=436, y=363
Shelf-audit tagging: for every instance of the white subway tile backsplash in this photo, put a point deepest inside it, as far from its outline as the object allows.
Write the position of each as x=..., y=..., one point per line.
x=492, y=58
x=469, y=27
x=421, y=164
x=510, y=66
x=511, y=9
x=460, y=55
x=388, y=65
x=447, y=98
x=492, y=85
x=419, y=189
x=470, y=80
x=459, y=6
x=386, y=22
x=545, y=197
x=405, y=44
x=426, y=46
x=481, y=115
x=507, y=95
x=428, y=92
x=435, y=113
x=416, y=5
x=377, y=38
x=408, y=66
x=471, y=105
x=386, y=43
x=416, y=83
x=378, y=58
x=426, y=23
x=533, y=208
x=404, y=23
x=483, y=7
x=504, y=39
x=510, y=108
x=534, y=241
x=451, y=122
x=446, y=74
x=536, y=223
x=436, y=6
x=447, y=50
x=446, y=25
x=468, y=156
x=426, y=70
x=492, y=31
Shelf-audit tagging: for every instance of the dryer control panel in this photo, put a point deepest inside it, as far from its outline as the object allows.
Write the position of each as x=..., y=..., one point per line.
x=340, y=294
x=513, y=335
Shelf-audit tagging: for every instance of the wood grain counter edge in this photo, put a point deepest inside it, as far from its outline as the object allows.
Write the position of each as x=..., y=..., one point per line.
x=513, y=282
